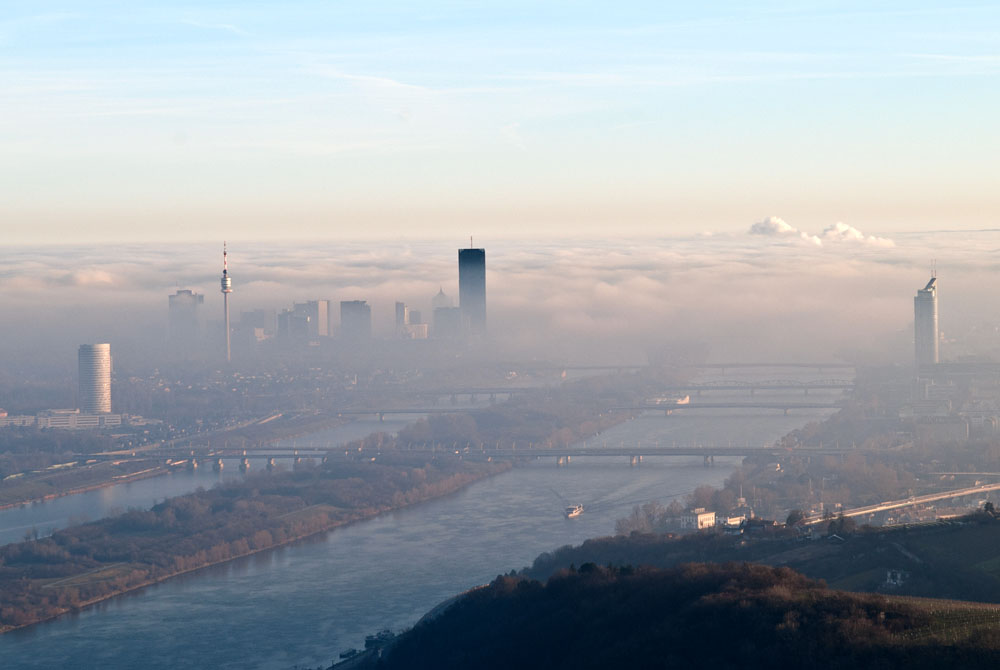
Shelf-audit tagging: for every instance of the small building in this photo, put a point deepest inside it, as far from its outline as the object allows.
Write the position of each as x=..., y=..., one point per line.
x=698, y=519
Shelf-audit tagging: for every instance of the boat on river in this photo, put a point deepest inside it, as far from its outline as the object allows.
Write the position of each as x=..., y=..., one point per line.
x=574, y=511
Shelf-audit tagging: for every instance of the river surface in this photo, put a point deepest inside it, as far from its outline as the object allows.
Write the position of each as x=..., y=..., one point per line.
x=303, y=604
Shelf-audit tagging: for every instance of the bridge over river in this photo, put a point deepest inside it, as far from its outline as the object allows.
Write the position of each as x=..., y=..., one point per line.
x=667, y=408
x=634, y=453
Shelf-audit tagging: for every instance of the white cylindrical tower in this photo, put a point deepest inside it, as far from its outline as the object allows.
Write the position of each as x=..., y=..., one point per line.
x=227, y=288
x=95, y=378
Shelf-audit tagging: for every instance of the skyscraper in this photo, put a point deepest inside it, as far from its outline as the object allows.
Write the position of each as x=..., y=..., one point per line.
x=227, y=288
x=402, y=319
x=94, y=361
x=472, y=289
x=355, y=320
x=925, y=325
x=318, y=313
x=182, y=319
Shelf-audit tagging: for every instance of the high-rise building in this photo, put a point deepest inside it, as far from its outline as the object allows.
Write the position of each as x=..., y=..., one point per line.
x=440, y=300
x=472, y=289
x=294, y=327
x=318, y=313
x=355, y=320
x=402, y=319
x=227, y=288
x=447, y=323
x=925, y=325
x=183, y=323
x=409, y=325
x=94, y=361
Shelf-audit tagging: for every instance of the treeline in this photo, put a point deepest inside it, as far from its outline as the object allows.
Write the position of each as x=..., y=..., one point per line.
x=44, y=578
x=696, y=615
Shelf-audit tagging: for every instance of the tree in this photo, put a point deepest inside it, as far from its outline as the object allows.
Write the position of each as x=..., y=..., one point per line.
x=794, y=517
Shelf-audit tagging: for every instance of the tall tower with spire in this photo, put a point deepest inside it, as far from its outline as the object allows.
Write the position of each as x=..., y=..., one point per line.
x=925, y=325
x=227, y=288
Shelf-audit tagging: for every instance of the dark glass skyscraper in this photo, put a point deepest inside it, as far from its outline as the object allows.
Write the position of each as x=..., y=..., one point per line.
x=472, y=289
x=925, y=325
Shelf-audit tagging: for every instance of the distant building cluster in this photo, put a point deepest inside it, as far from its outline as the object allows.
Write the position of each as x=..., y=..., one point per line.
x=313, y=322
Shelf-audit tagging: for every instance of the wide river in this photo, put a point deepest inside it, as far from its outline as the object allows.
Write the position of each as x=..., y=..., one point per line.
x=302, y=604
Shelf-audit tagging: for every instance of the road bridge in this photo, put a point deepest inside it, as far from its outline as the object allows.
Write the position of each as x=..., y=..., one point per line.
x=698, y=366
x=669, y=408
x=753, y=387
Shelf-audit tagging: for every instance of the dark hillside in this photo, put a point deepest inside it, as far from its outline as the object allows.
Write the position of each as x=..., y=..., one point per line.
x=694, y=616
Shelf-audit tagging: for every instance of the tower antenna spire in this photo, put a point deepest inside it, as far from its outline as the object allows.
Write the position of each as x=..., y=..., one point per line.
x=227, y=288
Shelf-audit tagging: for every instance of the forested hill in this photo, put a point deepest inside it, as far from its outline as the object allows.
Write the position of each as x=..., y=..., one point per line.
x=694, y=616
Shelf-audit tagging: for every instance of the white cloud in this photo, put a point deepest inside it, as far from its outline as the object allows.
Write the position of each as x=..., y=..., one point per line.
x=841, y=232
x=774, y=226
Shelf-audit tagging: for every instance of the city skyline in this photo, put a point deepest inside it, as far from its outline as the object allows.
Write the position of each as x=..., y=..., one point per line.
x=190, y=121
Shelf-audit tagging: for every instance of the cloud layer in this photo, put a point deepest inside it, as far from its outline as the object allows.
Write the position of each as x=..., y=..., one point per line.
x=725, y=296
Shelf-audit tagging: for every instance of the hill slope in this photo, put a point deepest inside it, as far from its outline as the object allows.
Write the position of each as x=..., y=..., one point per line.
x=696, y=615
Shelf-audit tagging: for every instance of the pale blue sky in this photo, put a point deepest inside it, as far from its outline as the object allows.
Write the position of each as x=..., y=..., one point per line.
x=155, y=120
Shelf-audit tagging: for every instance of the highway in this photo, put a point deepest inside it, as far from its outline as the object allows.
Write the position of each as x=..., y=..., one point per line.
x=909, y=502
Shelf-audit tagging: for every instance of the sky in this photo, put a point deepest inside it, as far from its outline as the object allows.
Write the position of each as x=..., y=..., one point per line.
x=166, y=121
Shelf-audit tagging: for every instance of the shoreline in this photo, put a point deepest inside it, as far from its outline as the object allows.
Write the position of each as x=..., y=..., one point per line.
x=289, y=541
x=157, y=471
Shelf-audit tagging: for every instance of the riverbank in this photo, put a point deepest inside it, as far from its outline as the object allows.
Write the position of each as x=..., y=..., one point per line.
x=105, y=480
x=80, y=566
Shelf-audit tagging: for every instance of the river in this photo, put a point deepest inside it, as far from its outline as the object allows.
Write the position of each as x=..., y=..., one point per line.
x=302, y=604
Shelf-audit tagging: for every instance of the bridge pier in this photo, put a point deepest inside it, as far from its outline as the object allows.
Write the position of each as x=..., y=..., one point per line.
x=217, y=465
x=270, y=463
x=786, y=411
x=709, y=461
x=633, y=461
x=193, y=464
x=381, y=417
x=245, y=464
x=562, y=461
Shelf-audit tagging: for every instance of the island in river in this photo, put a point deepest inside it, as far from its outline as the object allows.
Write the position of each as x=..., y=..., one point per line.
x=81, y=565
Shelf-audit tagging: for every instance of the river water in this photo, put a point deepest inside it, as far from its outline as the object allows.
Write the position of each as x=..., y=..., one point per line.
x=302, y=604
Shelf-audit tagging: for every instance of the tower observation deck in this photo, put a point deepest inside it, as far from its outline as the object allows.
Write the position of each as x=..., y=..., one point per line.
x=227, y=288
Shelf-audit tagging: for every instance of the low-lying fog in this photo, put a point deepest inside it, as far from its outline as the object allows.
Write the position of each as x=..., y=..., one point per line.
x=773, y=292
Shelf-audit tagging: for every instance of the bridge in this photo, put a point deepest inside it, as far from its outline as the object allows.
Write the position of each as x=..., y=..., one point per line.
x=669, y=408
x=734, y=385
x=382, y=412
x=771, y=385
x=634, y=452
x=700, y=366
